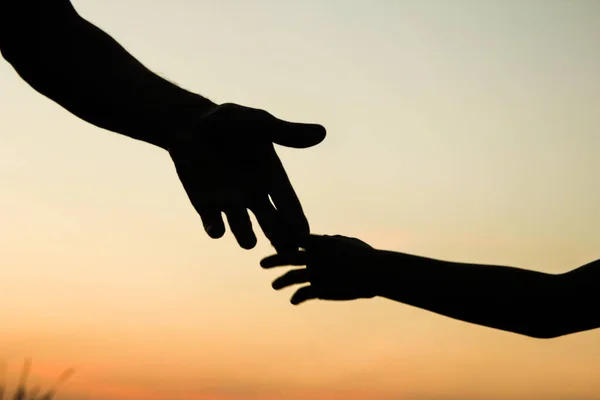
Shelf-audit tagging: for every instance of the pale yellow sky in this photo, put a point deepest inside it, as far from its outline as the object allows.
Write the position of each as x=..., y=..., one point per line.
x=464, y=130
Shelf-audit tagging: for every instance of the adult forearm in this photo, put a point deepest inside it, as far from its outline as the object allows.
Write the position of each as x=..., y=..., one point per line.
x=511, y=299
x=83, y=69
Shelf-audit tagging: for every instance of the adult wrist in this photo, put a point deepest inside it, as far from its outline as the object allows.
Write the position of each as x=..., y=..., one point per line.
x=183, y=122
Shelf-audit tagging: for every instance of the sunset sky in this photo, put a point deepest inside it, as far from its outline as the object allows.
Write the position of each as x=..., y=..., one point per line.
x=466, y=130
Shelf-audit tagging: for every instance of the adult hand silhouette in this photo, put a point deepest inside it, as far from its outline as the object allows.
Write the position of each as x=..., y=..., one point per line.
x=336, y=268
x=228, y=164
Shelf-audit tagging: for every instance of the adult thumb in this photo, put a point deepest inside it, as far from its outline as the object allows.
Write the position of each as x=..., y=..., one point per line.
x=297, y=135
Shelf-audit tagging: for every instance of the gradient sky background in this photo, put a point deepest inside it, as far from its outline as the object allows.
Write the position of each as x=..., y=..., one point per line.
x=463, y=130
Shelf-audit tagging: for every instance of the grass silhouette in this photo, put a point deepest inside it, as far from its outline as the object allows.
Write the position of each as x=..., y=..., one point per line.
x=34, y=393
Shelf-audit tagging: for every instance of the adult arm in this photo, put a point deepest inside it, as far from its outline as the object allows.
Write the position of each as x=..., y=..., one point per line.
x=77, y=65
x=223, y=154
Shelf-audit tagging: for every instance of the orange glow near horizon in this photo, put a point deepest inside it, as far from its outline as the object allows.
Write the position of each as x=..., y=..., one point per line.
x=464, y=130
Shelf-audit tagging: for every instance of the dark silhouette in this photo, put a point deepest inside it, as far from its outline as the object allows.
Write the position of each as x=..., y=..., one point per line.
x=526, y=302
x=21, y=392
x=223, y=154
